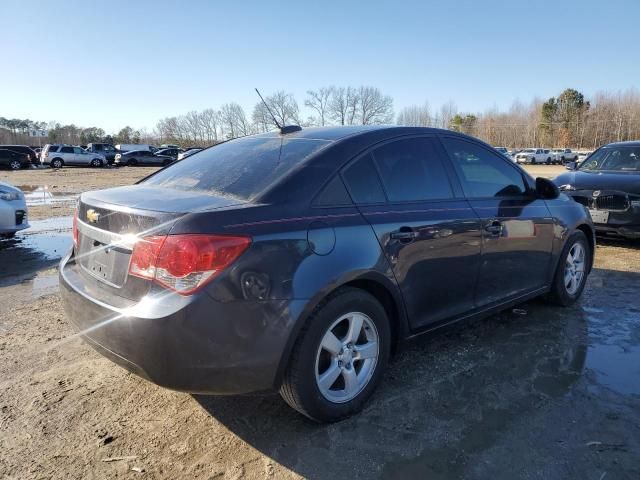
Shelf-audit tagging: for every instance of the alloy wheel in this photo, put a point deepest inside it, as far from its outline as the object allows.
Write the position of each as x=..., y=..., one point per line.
x=574, y=268
x=347, y=357
x=14, y=165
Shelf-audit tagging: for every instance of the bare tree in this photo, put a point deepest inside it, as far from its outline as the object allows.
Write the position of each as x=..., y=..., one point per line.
x=318, y=100
x=375, y=108
x=415, y=116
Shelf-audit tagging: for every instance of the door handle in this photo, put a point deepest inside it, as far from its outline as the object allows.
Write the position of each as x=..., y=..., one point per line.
x=405, y=235
x=494, y=228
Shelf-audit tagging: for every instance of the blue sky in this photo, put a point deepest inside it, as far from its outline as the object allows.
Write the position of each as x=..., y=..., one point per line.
x=117, y=63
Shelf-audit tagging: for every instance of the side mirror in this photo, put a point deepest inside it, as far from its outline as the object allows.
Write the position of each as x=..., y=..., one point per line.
x=572, y=165
x=547, y=189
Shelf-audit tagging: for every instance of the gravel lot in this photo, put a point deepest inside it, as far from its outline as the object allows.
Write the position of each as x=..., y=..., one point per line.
x=542, y=393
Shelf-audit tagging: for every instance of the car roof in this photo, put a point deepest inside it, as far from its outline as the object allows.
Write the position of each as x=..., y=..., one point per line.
x=628, y=143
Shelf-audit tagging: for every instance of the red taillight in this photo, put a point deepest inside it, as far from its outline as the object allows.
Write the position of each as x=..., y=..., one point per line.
x=76, y=238
x=185, y=263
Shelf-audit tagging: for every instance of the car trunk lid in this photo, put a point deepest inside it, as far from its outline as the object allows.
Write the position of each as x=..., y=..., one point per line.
x=111, y=221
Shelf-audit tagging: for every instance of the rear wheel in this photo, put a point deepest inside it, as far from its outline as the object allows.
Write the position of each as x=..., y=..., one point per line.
x=96, y=162
x=571, y=272
x=57, y=163
x=15, y=165
x=339, y=357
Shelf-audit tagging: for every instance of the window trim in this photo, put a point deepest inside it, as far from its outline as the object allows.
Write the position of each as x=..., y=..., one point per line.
x=528, y=194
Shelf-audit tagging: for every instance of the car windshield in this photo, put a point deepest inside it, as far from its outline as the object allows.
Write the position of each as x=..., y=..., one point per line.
x=240, y=168
x=620, y=159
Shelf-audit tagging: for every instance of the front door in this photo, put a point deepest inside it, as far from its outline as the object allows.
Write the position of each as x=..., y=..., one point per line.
x=517, y=227
x=430, y=235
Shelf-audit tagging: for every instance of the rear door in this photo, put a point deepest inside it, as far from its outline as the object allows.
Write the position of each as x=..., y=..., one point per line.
x=517, y=226
x=428, y=232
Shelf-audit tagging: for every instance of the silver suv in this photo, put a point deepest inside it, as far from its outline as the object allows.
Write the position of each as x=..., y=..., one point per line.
x=59, y=155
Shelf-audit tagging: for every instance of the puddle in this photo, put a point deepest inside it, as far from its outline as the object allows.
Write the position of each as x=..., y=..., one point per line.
x=616, y=367
x=45, y=195
x=50, y=237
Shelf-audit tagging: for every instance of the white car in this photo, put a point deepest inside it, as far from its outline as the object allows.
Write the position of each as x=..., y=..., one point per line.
x=563, y=155
x=13, y=210
x=59, y=155
x=535, y=155
x=582, y=156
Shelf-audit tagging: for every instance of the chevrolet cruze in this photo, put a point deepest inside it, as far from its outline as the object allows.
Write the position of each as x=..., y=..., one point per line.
x=299, y=260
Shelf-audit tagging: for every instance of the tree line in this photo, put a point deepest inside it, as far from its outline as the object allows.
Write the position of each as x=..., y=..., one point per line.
x=567, y=120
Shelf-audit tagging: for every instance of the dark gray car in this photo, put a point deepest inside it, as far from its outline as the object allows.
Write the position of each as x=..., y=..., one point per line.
x=141, y=157
x=300, y=261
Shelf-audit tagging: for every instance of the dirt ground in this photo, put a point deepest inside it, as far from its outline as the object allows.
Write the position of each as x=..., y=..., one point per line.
x=539, y=392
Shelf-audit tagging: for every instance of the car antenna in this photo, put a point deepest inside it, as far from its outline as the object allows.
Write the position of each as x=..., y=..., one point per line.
x=283, y=129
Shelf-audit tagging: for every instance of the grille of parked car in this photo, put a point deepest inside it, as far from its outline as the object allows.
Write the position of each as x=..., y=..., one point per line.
x=612, y=202
x=19, y=217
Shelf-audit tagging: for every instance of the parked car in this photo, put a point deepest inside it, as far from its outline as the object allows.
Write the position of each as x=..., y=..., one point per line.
x=24, y=149
x=608, y=184
x=13, y=210
x=188, y=153
x=534, y=155
x=168, y=145
x=57, y=156
x=14, y=160
x=105, y=149
x=129, y=147
x=563, y=155
x=582, y=156
x=168, y=152
x=297, y=261
x=141, y=157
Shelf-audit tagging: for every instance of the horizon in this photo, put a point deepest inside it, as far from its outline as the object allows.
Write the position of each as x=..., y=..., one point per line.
x=133, y=65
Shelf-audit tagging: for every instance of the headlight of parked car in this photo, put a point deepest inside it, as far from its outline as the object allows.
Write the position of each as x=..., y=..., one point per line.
x=9, y=196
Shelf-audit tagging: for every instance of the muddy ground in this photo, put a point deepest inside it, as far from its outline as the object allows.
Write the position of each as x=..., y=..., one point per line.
x=542, y=393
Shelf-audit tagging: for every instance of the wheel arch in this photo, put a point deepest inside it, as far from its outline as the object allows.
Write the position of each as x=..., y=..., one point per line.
x=374, y=283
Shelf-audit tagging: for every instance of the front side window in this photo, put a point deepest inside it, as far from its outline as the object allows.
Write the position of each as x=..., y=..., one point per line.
x=483, y=173
x=77, y=150
x=412, y=170
x=66, y=150
x=616, y=159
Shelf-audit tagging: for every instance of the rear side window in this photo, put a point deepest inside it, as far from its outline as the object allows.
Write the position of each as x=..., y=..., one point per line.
x=363, y=181
x=241, y=168
x=334, y=193
x=412, y=170
x=482, y=172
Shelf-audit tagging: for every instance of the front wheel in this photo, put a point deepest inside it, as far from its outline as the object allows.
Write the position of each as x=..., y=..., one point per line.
x=56, y=163
x=96, y=162
x=15, y=165
x=572, y=270
x=339, y=357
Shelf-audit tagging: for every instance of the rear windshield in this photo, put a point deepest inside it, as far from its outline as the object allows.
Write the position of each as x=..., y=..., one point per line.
x=241, y=168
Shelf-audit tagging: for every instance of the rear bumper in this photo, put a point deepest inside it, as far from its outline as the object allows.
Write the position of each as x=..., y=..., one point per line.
x=193, y=344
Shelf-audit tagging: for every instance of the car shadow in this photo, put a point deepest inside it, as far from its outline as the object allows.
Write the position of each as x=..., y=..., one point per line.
x=444, y=399
x=615, y=241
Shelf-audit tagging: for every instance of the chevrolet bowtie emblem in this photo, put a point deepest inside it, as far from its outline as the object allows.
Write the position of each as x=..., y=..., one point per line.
x=92, y=215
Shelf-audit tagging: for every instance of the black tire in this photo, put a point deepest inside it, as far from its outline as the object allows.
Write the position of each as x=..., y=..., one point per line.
x=96, y=163
x=56, y=163
x=166, y=162
x=549, y=161
x=558, y=293
x=299, y=387
x=132, y=163
x=15, y=165
x=7, y=236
